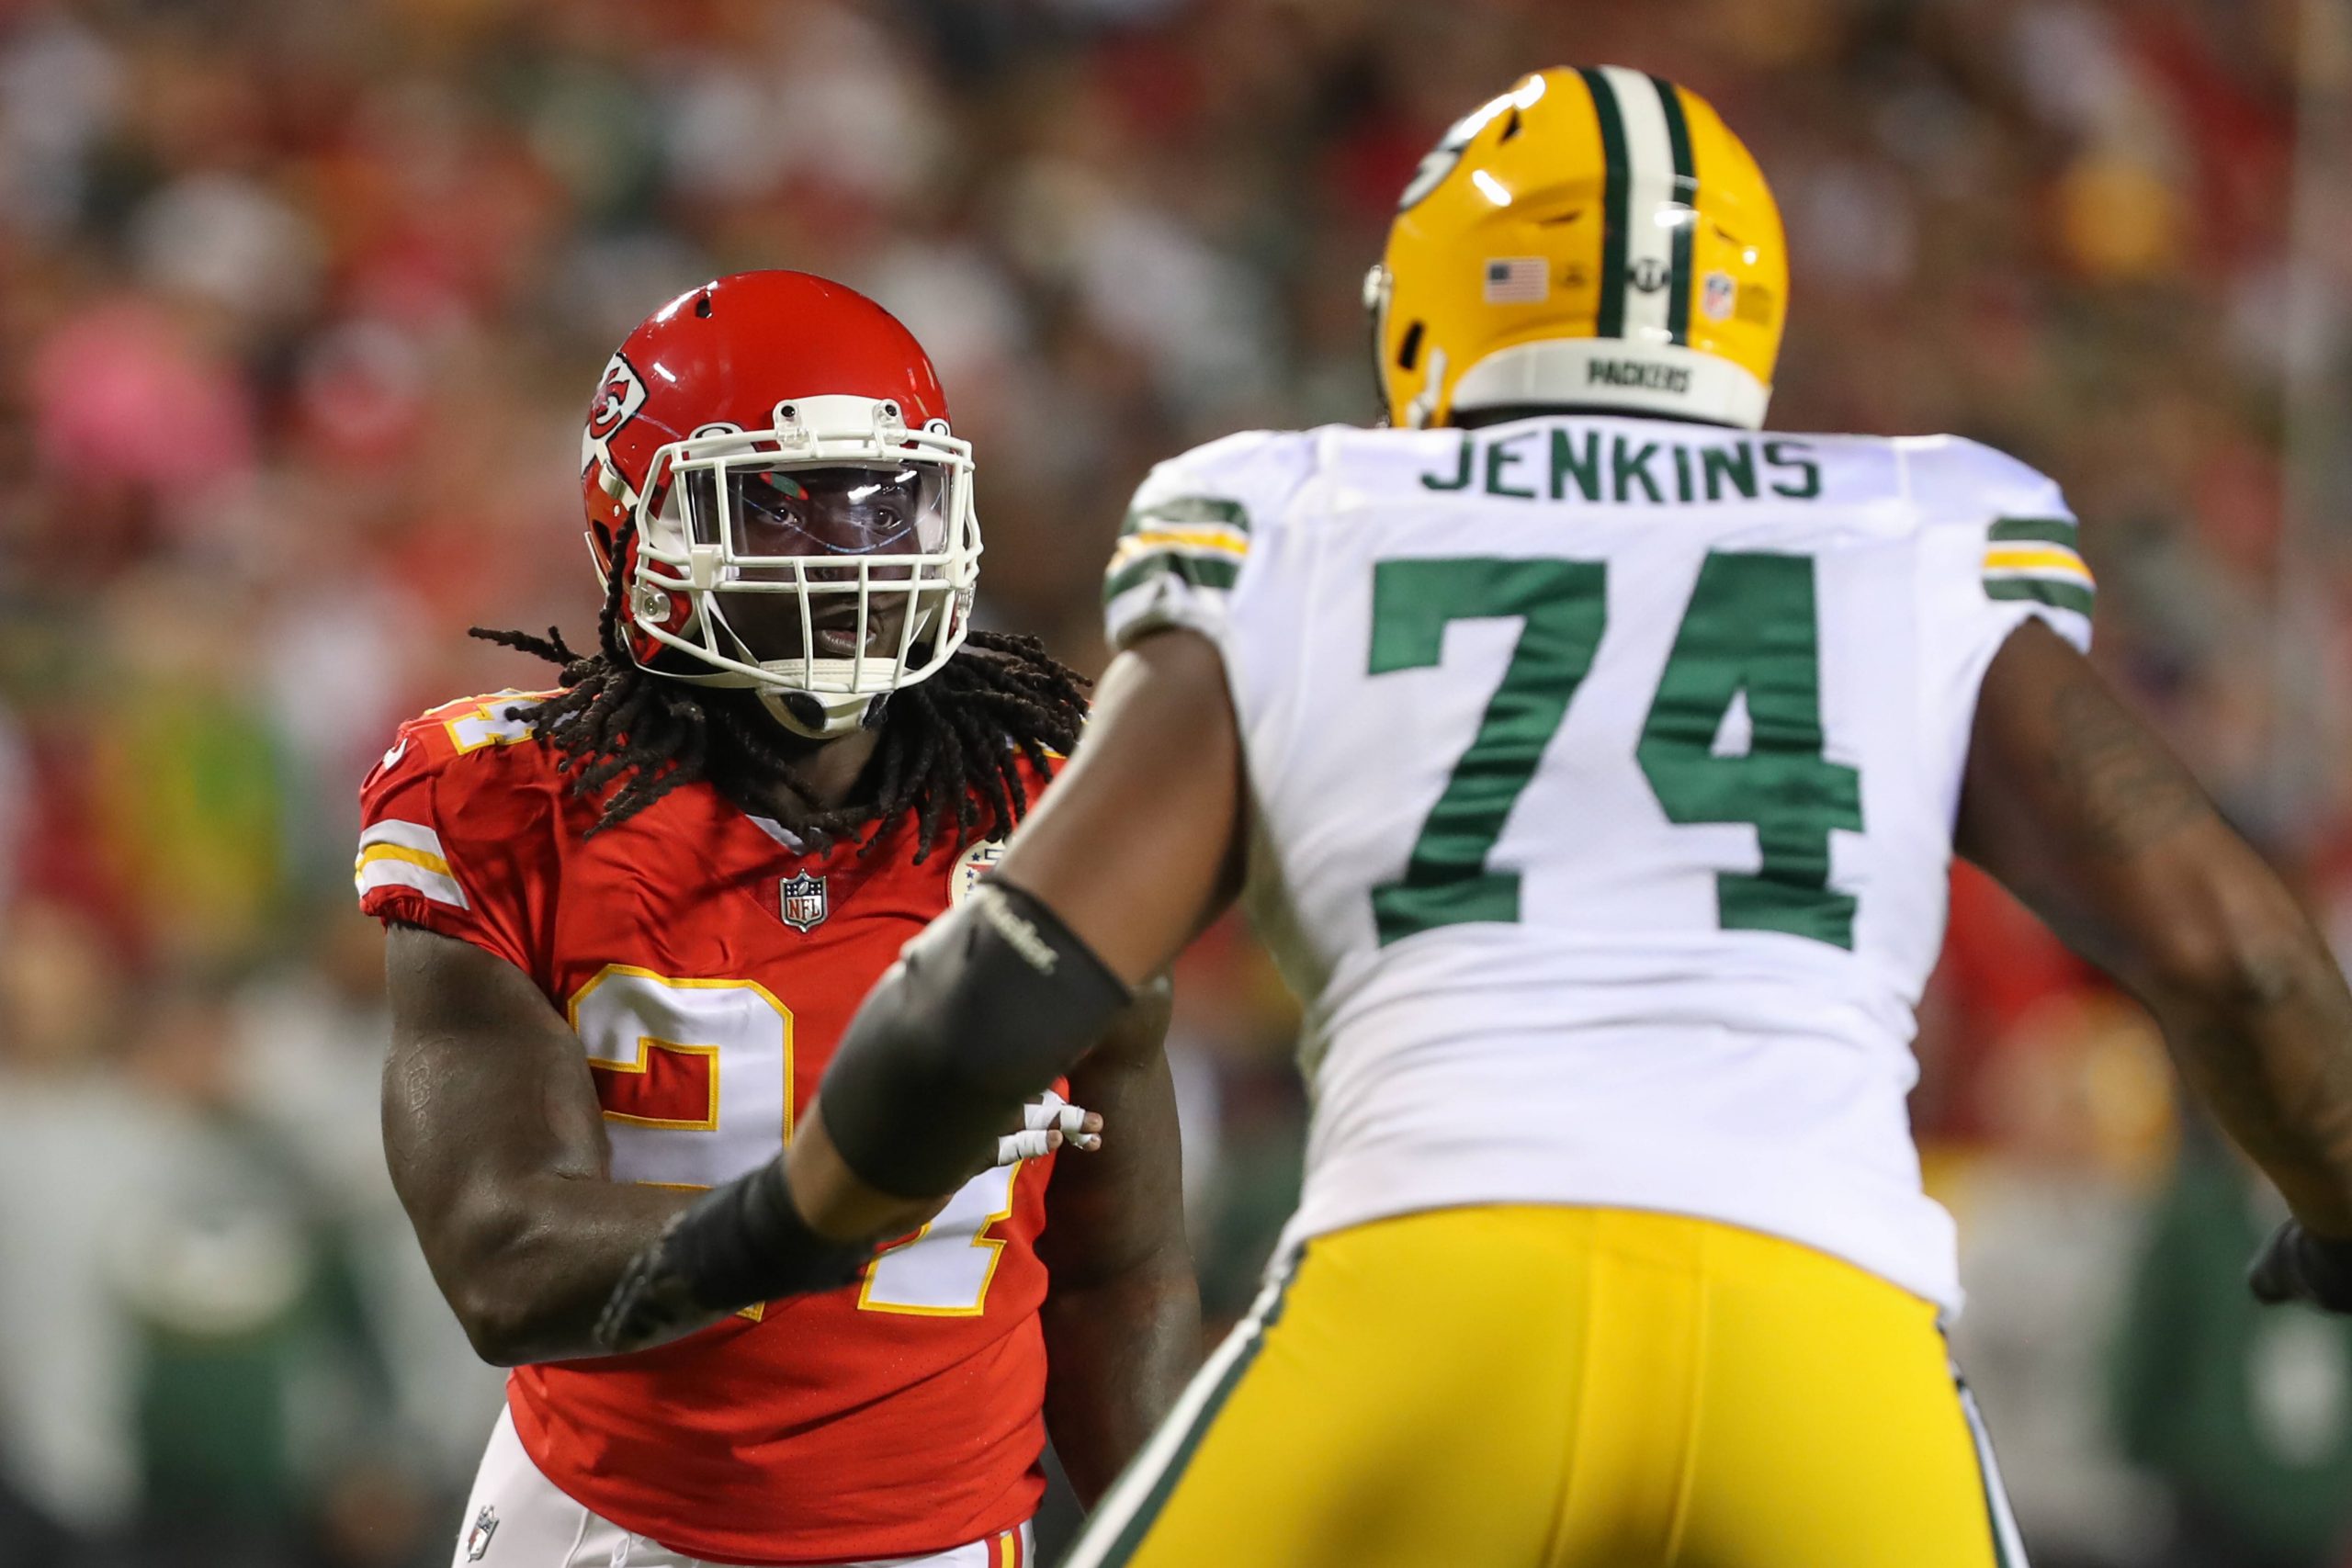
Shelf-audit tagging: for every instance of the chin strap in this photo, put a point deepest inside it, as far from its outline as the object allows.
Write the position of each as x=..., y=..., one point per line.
x=827, y=717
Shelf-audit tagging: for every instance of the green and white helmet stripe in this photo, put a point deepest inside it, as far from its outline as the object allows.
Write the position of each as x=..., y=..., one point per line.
x=1686, y=188
x=1645, y=256
x=1638, y=357
x=1616, y=193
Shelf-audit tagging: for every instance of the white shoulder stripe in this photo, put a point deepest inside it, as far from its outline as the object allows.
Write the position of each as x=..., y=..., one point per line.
x=407, y=835
x=439, y=886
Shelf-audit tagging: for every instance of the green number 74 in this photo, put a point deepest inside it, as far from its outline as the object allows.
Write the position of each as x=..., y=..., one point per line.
x=1750, y=630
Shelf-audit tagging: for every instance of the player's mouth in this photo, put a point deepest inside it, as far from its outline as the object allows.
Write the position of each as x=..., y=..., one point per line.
x=770, y=627
x=839, y=642
x=845, y=635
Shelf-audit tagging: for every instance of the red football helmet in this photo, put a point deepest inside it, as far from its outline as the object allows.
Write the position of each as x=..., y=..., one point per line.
x=767, y=464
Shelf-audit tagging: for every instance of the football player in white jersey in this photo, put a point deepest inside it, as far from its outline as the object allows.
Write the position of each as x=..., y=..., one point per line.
x=1592, y=762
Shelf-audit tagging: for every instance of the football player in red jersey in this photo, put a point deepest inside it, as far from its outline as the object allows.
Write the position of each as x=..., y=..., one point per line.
x=628, y=919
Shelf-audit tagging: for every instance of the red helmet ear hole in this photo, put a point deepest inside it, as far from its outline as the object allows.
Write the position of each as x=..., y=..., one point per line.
x=702, y=306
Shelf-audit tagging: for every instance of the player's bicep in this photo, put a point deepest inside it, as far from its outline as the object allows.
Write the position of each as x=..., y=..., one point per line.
x=2080, y=809
x=1139, y=842
x=485, y=1084
x=1122, y=1206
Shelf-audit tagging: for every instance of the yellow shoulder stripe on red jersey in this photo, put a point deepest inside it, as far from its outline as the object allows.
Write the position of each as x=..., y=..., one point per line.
x=393, y=853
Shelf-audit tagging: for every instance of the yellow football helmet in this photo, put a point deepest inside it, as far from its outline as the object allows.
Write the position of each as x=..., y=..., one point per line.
x=1592, y=238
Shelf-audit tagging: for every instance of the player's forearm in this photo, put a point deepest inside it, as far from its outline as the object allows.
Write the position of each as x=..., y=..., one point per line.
x=1119, y=1353
x=2080, y=810
x=495, y=1142
x=527, y=1269
x=2258, y=1015
x=1122, y=1317
x=981, y=1012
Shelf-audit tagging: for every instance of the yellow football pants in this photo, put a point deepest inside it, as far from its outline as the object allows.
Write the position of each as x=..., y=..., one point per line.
x=1527, y=1387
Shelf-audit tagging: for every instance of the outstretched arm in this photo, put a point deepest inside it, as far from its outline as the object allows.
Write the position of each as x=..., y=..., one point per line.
x=1123, y=1314
x=1136, y=847
x=497, y=1148
x=2079, y=810
x=1133, y=851
x=1139, y=845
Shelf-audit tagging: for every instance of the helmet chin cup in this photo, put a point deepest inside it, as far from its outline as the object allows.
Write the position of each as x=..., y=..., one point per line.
x=815, y=718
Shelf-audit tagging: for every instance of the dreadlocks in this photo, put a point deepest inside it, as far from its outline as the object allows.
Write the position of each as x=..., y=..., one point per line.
x=943, y=741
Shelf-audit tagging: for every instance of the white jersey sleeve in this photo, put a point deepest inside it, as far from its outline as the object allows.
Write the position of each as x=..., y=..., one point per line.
x=2027, y=563
x=1997, y=549
x=1186, y=539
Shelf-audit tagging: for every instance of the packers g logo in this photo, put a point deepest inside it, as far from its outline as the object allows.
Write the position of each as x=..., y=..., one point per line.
x=1439, y=160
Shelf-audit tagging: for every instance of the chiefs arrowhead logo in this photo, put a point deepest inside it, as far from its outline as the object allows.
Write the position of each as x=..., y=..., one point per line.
x=617, y=399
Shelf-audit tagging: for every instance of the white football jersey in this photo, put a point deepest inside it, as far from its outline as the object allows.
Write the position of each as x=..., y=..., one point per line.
x=1603, y=773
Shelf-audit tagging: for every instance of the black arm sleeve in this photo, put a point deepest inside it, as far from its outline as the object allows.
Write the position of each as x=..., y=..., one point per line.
x=985, y=1008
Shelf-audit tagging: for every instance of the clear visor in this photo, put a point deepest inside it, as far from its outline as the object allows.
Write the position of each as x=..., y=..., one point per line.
x=835, y=558
x=841, y=562
x=767, y=512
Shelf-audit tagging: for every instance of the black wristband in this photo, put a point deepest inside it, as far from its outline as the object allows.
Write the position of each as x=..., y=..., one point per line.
x=745, y=1242
x=737, y=1244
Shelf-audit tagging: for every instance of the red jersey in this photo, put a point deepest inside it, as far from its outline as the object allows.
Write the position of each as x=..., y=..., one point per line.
x=710, y=967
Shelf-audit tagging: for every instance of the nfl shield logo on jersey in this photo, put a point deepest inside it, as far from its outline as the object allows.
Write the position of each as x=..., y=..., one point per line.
x=478, y=1538
x=803, y=900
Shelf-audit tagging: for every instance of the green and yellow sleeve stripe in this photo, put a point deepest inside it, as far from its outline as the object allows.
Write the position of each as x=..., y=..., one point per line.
x=1198, y=540
x=2036, y=559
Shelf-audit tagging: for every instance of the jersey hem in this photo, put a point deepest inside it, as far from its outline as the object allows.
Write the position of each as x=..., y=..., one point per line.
x=720, y=1555
x=1937, y=1285
x=390, y=905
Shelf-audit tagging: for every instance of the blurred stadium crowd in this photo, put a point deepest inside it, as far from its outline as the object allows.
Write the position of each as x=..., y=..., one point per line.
x=301, y=306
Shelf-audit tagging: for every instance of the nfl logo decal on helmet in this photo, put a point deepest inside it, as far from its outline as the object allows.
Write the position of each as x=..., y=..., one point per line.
x=802, y=901
x=477, y=1539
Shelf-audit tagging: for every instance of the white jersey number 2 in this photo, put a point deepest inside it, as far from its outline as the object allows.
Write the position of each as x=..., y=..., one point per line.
x=696, y=1076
